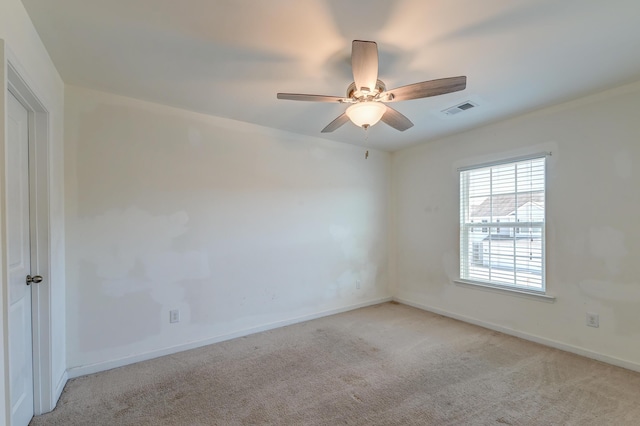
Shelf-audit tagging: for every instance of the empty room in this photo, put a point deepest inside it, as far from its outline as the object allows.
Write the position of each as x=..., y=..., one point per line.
x=319, y=212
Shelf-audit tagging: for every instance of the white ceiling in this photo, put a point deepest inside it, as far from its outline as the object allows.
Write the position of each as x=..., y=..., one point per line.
x=229, y=58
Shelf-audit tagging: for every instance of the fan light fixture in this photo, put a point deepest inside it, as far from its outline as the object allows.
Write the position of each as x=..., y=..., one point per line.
x=365, y=114
x=367, y=96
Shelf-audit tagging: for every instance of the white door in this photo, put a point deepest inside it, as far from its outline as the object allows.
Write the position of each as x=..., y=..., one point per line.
x=20, y=352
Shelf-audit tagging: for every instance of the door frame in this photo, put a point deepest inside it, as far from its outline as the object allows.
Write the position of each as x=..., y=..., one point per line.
x=44, y=387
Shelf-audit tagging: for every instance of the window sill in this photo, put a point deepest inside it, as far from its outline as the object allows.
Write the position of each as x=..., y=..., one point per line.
x=504, y=290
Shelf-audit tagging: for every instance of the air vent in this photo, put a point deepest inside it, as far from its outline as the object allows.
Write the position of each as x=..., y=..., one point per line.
x=460, y=108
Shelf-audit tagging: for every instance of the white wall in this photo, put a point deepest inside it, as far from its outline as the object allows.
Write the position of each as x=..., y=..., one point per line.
x=235, y=225
x=593, y=233
x=26, y=52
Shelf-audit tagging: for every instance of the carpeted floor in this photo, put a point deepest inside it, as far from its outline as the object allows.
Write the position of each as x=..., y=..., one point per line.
x=384, y=365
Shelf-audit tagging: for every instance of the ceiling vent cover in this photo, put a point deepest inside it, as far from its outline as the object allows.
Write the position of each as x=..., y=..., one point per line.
x=467, y=105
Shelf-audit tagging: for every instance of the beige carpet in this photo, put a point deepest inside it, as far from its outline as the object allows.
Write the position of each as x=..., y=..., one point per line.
x=384, y=365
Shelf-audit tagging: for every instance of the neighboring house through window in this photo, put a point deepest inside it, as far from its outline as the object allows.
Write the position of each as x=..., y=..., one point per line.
x=509, y=200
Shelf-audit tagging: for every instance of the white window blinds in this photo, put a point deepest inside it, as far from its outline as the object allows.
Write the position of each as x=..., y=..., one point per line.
x=502, y=214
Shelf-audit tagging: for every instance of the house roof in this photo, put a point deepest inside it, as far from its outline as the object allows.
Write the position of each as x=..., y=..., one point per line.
x=506, y=204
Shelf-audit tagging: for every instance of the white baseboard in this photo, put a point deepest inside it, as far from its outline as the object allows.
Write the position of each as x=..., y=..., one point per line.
x=108, y=365
x=526, y=336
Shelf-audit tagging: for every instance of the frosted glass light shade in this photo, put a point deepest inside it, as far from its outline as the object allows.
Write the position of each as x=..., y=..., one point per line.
x=366, y=113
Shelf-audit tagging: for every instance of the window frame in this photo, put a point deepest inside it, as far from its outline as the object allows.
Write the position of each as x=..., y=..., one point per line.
x=464, y=236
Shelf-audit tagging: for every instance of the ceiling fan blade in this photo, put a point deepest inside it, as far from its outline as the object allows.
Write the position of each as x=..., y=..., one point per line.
x=396, y=120
x=310, y=98
x=342, y=119
x=364, y=63
x=426, y=89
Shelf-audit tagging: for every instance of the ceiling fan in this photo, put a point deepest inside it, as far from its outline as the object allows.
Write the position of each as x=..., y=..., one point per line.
x=367, y=95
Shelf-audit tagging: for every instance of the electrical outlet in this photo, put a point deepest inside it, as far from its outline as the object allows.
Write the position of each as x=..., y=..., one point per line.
x=593, y=320
x=358, y=284
x=174, y=316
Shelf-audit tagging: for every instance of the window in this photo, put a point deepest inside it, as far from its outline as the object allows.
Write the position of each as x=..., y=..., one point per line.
x=507, y=197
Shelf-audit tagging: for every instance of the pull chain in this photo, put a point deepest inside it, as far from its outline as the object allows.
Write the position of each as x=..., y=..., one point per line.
x=366, y=139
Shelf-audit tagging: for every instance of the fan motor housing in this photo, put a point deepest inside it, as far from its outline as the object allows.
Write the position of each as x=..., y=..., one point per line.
x=353, y=93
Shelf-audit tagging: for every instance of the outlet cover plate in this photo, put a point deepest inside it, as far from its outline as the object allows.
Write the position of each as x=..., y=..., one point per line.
x=593, y=320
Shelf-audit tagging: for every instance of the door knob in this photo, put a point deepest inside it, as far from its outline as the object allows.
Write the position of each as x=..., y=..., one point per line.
x=34, y=279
